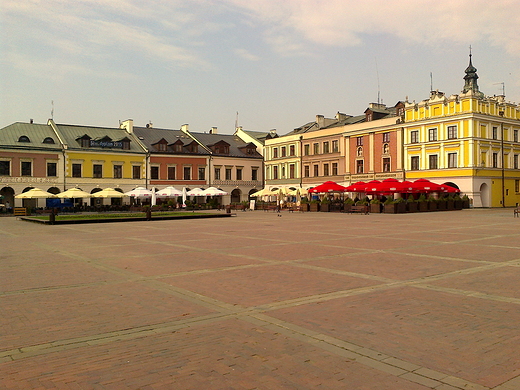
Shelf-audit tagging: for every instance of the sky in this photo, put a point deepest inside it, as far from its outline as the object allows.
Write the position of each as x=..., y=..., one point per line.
x=264, y=64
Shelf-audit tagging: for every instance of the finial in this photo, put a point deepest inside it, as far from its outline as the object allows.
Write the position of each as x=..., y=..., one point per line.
x=470, y=50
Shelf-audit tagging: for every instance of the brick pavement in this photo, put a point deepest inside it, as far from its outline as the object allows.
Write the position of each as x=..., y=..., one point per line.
x=305, y=301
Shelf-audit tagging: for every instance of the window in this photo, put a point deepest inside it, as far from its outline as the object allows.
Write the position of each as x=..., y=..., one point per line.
x=386, y=164
x=136, y=171
x=316, y=148
x=187, y=173
x=291, y=171
x=452, y=160
x=306, y=149
x=359, y=166
x=515, y=161
x=97, y=171
x=414, y=136
x=217, y=173
x=325, y=169
x=335, y=146
x=292, y=150
x=433, y=159
x=359, y=151
x=334, y=169
x=26, y=168
x=228, y=173
x=495, y=132
x=161, y=147
x=48, y=140
x=495, y=160
x=326, y=147
x=307, y=171
x=85, y=142
x=359, y=141
x=239, y=173
x=24, y=138
x=275, y=152
x=52, y=169
x=414, y=163
x=254, y=173
x=515, y=135
x=5, y=168
x=432, y=134
x=283, y=172
x=386, y=149
x=517, y=186
x=202, y=173
x=171, y=173
x=386, y=137
x=118, y=171
x=154, y=171
x=76, y=170
x=284, y=151
x=452, y=132
x=275, y=172
x=316, y=171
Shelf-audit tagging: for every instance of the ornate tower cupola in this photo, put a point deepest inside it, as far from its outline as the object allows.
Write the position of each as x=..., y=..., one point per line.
x=471, y=79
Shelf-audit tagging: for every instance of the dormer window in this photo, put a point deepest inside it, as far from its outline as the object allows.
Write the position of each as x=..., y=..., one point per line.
x=177, y=146
x=193, y=147
x=24, y=138
x=48, y=140
x=84, y=141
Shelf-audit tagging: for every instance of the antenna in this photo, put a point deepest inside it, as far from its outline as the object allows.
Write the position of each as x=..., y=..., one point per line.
x=52, y=109
x=431, y=81
x=236, y=122
x=378, y=87
x=503, y=87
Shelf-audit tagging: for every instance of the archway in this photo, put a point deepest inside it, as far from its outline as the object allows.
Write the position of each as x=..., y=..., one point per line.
x=96, y=201
x=484, y=195
x=7, y=198
x=235, y=195
x=251, y=192
x=449, y=183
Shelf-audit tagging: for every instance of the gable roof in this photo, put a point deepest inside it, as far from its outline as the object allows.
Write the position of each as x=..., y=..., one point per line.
x=36, y=133
x=236, y=145
x=151, y=136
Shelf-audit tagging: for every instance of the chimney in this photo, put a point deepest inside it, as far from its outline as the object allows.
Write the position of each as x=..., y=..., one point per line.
x=320, y=120
x=272, y=132
x=340, y=116
x=185, y=128
x=213, y=130
x=31, y=121
x=128, y=125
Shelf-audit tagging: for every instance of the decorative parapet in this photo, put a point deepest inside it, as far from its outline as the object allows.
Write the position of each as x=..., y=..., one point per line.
x=237, y=183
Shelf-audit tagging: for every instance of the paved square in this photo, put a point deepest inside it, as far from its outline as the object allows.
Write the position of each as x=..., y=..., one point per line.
x=257, y=301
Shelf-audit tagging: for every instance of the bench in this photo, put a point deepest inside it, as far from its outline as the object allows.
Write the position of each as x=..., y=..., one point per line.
x=516, y=212
x=359, y=209
x=295, y=208
x=20, y=211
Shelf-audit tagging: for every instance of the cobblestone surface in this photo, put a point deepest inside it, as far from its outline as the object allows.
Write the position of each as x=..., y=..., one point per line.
x=257, y=301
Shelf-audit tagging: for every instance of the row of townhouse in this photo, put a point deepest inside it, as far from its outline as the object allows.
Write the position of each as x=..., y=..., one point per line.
x=468, y=140
x=56, y=157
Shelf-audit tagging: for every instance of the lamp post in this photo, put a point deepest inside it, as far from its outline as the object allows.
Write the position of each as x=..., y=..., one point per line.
x=501, y=113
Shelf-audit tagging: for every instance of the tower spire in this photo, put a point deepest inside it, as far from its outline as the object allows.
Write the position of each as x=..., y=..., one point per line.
x=471, y=78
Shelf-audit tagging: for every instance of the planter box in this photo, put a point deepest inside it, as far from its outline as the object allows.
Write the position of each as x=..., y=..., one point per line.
x=304, y=206
x=458, y=204
x=346, y=207
x=422, y=206
x=325, y=207
x=390, y=208
x=442, y=206
x=401, y=207
x=450, y=205
x=375, y=208
x=411, y=207
x=432, y=206
x=465, y=204
x=314, y=207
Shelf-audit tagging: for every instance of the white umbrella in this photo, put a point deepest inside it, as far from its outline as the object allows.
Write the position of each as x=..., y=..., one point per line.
x=108, y=193
x=154, y=197
x=213, y=191
x=168, y=192
x=35, y=193
x=195, y=192
x=139, y=192
x=184, y=196
x=264, y=192
x=73, y=193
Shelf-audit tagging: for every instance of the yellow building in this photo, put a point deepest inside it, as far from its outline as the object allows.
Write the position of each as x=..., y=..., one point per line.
x=468, y=140
x=99, y=157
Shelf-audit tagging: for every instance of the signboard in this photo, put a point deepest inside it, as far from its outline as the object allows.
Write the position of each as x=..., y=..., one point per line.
x=106, y=144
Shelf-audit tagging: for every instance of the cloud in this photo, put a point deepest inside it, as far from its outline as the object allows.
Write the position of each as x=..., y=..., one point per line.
x=344, y=23
x=246, y=55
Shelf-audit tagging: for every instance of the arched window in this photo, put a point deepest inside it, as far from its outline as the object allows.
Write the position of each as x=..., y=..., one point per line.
x=360, y=151
x=24, y=138
x=386, y=149
x=48, y=140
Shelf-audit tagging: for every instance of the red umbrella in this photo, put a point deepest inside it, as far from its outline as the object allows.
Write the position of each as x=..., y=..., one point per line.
x=423, y=185
x=448, y=188
x=356, y=187
x=370, y=186
x=328, y=186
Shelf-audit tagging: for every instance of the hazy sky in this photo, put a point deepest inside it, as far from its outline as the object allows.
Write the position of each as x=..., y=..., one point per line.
x=278, y=63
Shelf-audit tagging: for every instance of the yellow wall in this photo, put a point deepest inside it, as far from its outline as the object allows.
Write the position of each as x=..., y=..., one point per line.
x=108, y=161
